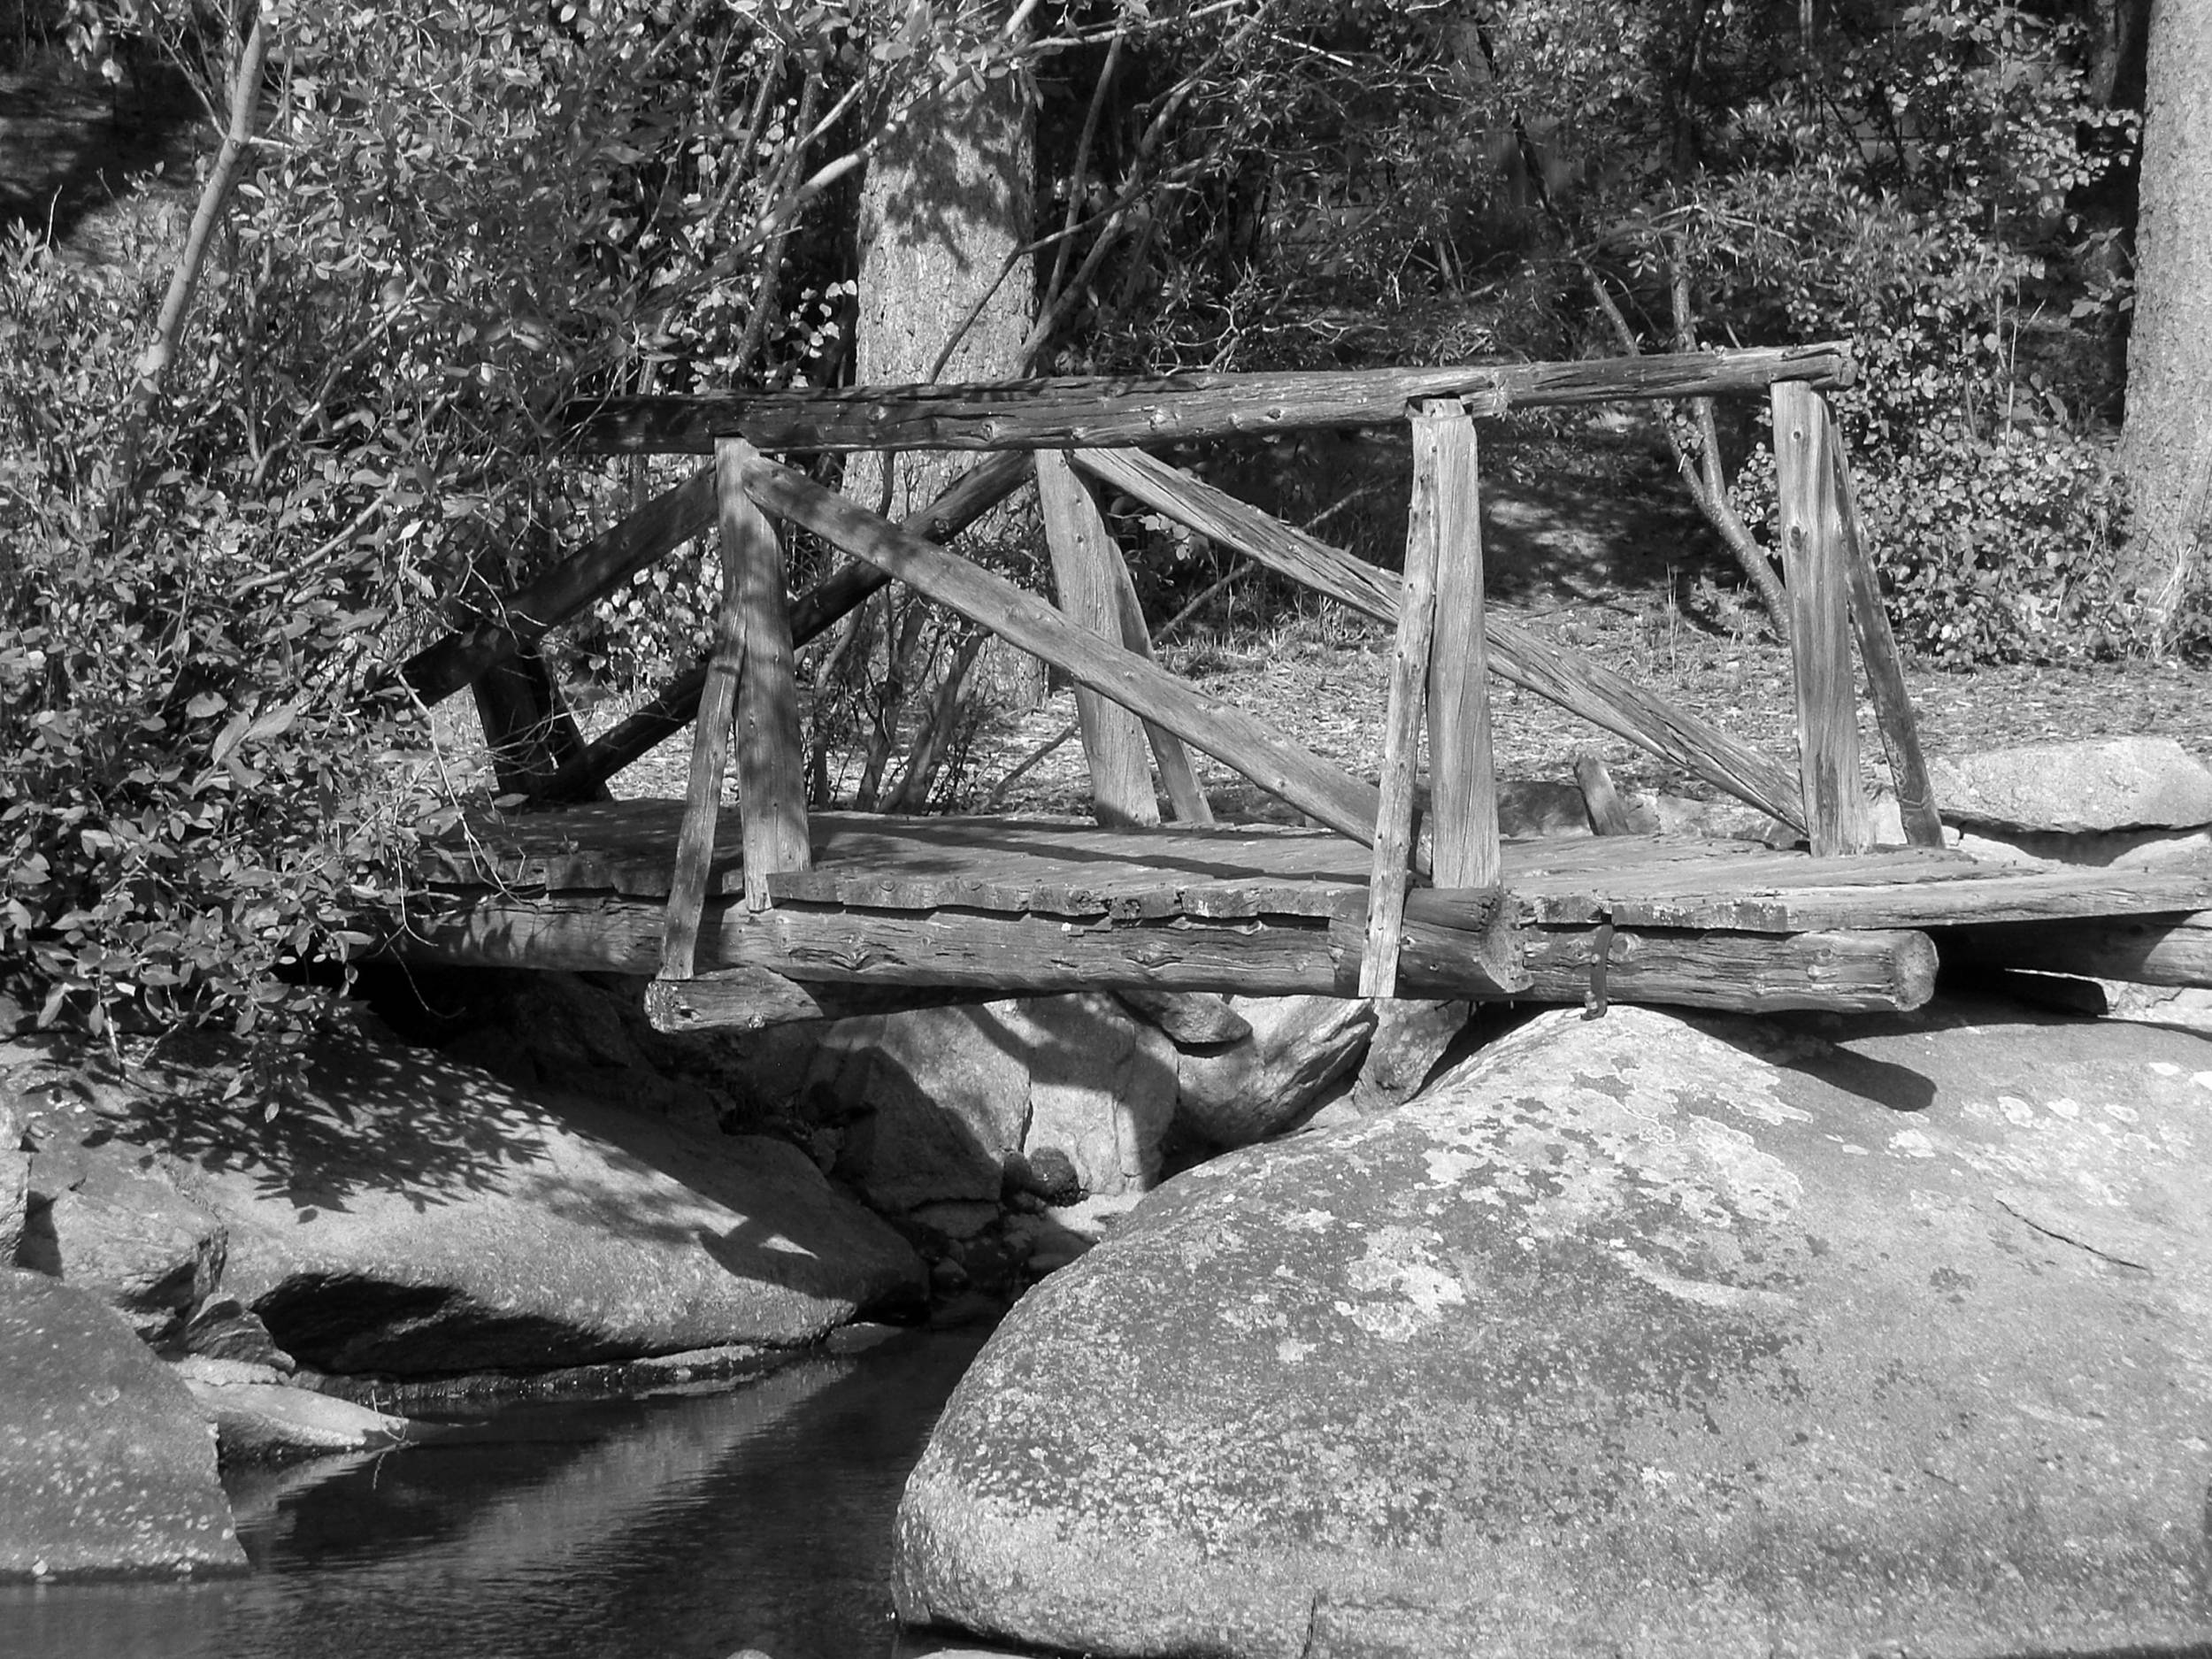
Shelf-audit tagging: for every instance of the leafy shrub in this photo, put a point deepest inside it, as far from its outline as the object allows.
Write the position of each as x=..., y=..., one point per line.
x=201, y=795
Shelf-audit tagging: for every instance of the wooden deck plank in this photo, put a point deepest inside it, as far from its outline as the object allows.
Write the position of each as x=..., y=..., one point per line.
x=1059, y=868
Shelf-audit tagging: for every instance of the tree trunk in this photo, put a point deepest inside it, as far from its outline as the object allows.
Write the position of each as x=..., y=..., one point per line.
x=2166, y=448
x=945, y=205
x=944, y=295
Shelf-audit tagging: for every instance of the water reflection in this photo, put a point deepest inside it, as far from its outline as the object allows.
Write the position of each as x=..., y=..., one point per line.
x=668, y=1527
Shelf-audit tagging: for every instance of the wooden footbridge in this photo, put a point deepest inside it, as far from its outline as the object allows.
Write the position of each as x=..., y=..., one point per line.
x=771, y=913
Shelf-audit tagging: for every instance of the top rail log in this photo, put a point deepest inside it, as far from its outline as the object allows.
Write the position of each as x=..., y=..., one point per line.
x=1106, y=412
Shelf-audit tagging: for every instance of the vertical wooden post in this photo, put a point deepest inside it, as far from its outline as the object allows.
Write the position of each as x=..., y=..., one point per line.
x=751, y=562
x=1178, y=776
x=1885, y=672
x=770, y=752
x=1462, y=786
x=1113, y=741
x=1820, y=627
x=1403, y=718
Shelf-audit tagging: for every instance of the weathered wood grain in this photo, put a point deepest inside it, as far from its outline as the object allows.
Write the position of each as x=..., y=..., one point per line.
x=1819, y=584
x=527, y=727
x=669, y=710
x=770, y=757
x=833, y=956
x=1225, y=732
x=1403, y=718
x=1178, y=777
x=1463, y=782
x=1102, y=411
x=1608, y=815
x=689, y=873
x=1893, y=713
x=1113, y=738
x=1586, y=688
x=751, y=999
x=1752, y=973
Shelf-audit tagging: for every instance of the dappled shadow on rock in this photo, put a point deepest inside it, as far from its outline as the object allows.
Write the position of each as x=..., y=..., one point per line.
x=369, y=1117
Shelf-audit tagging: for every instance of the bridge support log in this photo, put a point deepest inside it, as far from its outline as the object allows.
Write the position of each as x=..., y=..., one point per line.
x=830, y=951
x=2140, y=949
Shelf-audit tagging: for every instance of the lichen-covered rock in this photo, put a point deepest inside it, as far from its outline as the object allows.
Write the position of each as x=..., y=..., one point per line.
x=2075, y=788
x=1237, y=1092
x=106, y=1464
x=1631, y=1335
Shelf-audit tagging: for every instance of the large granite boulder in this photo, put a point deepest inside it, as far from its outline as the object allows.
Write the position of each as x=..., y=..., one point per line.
x=1631, y=1335
x=407, y=1214
x=105, y=1461
x=260, y=1418
x=2080, y=788
x=106, y=1216
x=412, y=1216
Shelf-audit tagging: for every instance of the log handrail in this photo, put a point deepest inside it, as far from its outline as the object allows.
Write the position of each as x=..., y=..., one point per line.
x=1108, y=412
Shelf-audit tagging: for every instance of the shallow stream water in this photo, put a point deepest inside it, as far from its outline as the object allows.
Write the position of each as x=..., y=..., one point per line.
x=671, y=1527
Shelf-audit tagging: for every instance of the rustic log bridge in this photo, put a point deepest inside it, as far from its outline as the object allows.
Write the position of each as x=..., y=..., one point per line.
x=1102, y=411
x=832, y=951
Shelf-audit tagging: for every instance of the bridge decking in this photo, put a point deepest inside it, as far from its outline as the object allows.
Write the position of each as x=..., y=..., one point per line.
x=1028, y=905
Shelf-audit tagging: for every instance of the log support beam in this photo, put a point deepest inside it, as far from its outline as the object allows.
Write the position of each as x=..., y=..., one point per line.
x=2139, y=949
x=831, y=951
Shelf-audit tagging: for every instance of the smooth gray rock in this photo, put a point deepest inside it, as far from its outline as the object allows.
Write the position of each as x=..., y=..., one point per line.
x=2075, y=788
x=105, y=1462
x=410, y=1215
x=1243, y=1092
x=259, y=1418
x=937, y=1105
x=1631, y=1335
x=15, y=1180
x=107, y=1215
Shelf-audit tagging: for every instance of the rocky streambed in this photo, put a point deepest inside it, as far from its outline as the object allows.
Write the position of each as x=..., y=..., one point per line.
x=1335, y=1329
